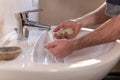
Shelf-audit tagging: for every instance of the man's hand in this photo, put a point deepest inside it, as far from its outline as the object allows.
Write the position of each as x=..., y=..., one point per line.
x=60, y=48
x=68, y=24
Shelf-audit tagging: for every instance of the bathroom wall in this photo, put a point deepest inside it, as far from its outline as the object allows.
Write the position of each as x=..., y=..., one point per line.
x=56, y=11
x=7, y=10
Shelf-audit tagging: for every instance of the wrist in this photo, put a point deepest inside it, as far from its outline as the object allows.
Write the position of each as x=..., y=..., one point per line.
x=79, y=23
x=74, y=45
x=78, y=44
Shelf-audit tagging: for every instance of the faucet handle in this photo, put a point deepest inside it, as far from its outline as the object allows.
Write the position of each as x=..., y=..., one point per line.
x=26, y=13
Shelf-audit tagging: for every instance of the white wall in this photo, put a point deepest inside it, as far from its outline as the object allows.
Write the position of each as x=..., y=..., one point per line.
x=56, y=11
x=7, y=10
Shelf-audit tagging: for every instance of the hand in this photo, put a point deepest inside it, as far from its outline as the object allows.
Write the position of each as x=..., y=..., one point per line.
x=60, y=48
x=68, y=24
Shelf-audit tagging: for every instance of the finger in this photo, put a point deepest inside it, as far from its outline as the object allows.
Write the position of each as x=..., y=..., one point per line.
x=51, y=45
x=52, y=51
x=62, y=36
x=68, y=36
x=55, y=53
x=57, y=36
x=58, y=27
x=75, y=33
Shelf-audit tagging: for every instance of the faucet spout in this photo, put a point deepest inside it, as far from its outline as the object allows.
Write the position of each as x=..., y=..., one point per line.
x=23, y=20
x=40, y=26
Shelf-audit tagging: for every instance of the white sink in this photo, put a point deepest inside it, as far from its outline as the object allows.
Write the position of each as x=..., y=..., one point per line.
x=91, y=63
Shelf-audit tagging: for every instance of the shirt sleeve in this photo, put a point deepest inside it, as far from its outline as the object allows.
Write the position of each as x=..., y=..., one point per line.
x=112, y=7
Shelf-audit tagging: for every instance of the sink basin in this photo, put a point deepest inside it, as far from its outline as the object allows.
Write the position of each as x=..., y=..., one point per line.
x=91, y=63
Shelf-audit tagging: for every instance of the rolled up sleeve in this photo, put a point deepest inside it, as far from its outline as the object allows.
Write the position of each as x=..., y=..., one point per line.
x=112, y=7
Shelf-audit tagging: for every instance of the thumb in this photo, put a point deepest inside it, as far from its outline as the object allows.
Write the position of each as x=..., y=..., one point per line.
x=58, y=27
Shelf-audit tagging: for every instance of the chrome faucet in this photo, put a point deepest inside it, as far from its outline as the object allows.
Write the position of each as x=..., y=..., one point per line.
x=23, y=20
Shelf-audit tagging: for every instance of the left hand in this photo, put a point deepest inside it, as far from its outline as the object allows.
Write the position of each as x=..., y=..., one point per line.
x=60, y=48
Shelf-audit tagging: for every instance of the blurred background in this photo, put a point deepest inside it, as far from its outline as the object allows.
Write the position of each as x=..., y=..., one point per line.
x=56, y=11
x=8, y=9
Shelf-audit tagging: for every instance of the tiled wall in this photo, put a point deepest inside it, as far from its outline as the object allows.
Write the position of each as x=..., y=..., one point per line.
x=7, y=10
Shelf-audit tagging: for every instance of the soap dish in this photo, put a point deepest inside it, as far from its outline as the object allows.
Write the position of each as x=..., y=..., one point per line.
x=9, y=53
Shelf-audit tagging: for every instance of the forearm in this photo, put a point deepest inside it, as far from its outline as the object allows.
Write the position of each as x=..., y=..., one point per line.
x=109, y=31
x=96, y=17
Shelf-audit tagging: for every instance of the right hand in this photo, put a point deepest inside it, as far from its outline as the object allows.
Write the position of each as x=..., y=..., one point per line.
x=60, y=48
x=67, y=24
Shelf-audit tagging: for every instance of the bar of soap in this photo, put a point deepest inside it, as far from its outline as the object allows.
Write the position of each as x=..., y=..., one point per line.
x=68, y=30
